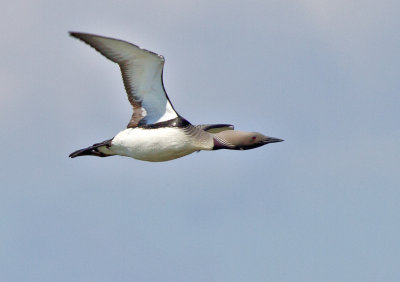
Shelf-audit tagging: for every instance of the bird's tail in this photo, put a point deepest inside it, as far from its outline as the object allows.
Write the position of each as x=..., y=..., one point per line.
x=93, y=150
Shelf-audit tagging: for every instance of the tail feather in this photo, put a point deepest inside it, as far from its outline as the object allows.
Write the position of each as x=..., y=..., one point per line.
x=92, y=150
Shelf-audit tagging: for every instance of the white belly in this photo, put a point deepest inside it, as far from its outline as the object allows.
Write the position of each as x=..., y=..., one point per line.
x=154, y=145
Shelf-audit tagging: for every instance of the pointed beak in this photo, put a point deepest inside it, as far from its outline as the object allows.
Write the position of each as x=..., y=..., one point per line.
x=273, y=140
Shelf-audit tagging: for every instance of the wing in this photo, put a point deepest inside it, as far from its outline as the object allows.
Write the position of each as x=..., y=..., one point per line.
x=215, y=128
x=142, y=75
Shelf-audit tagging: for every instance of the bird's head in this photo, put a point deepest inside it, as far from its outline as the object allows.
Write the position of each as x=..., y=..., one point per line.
x=241, y=140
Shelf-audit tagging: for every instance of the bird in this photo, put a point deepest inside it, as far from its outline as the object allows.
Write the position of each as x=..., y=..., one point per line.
x=156, y=132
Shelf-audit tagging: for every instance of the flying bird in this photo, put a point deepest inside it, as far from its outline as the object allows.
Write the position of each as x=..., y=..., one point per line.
x=156, y=132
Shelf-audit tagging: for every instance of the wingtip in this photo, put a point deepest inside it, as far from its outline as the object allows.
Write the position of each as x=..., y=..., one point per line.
x=76, y=34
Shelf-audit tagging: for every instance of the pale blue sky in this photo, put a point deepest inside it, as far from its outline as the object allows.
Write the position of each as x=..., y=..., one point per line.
x=321, y=206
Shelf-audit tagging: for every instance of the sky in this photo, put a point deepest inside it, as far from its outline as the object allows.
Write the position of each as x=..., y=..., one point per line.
x=321, y=206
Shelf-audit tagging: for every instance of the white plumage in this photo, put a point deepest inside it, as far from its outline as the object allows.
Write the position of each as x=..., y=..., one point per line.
x=155, y=145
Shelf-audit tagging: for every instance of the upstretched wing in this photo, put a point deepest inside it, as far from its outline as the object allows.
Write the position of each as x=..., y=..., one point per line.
x=142, y=75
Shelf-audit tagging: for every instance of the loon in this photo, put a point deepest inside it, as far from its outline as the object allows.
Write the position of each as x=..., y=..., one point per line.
x=156, y=132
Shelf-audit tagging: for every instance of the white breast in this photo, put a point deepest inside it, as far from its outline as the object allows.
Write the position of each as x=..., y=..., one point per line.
x=154, y=145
